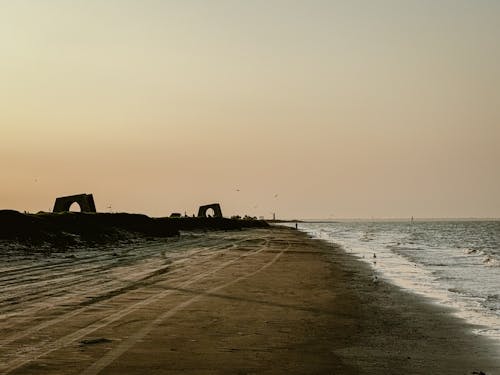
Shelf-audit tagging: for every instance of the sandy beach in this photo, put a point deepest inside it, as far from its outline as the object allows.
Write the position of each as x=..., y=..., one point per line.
x=239, y=302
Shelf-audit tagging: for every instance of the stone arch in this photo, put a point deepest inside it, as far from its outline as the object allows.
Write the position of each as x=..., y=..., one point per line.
x=85, y=201
x=202, y=212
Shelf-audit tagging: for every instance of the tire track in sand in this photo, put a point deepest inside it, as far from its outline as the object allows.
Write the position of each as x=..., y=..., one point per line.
x=110, y=292
x=124, y=346
x=46, y=348
x=92, y=282
x=30, y=277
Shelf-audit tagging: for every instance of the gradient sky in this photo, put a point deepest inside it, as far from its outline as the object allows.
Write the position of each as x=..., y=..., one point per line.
x=311, y=109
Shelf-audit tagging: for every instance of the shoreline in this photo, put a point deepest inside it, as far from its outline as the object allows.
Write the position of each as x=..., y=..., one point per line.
x=267, y=300
x=411, y=275
x=439, y=335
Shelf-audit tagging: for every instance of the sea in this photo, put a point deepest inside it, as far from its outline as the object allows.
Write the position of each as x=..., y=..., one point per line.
x=455, y=263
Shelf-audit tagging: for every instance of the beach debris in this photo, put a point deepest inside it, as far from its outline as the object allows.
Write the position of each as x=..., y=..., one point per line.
x=202, y=211
x=478, y=373
x=100, y=340
x=85, y=201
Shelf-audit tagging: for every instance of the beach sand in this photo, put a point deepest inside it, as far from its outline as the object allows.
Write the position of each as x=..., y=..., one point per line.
x=255, y=301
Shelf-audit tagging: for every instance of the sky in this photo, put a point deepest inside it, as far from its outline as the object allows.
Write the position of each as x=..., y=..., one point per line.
x=305, y=109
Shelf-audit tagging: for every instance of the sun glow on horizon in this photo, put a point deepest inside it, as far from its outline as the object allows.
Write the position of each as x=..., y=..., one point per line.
x=384, y=109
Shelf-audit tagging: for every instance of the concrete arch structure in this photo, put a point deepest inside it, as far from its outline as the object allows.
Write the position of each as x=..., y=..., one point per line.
x=202, y=211
x=85, y=201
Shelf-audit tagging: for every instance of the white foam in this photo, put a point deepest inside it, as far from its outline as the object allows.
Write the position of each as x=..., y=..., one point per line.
x=437, y=272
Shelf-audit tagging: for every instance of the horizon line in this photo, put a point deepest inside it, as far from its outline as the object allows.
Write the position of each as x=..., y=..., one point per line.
x=477, y=218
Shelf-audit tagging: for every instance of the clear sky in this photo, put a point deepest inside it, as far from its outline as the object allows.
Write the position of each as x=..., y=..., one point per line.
x=310, y=109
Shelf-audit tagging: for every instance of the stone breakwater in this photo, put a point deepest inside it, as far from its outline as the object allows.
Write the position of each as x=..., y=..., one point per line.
x=71, y=228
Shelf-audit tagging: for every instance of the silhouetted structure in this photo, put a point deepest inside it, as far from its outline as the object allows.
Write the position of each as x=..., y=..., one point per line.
x=85, y=201
x=202, y=212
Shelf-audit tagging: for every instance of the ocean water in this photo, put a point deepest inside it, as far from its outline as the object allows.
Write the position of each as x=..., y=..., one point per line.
x=456, y=263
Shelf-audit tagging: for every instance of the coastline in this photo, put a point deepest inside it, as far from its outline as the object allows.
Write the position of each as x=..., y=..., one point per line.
x=254, y=301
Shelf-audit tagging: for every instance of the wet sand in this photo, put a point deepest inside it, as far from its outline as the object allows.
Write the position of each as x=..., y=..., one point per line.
x=253, y=301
